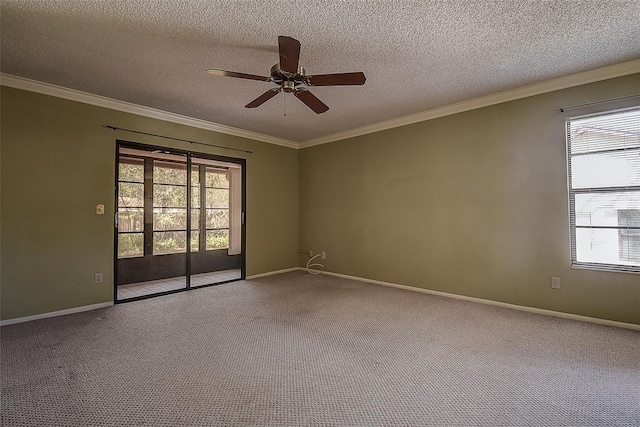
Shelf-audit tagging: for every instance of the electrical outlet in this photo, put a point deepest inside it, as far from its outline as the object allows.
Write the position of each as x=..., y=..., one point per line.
x=310, y=253
x=324, y=255
x=97, y=278
x=555, y=282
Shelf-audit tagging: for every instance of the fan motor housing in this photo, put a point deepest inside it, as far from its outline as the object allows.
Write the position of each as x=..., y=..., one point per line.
x=288, y=81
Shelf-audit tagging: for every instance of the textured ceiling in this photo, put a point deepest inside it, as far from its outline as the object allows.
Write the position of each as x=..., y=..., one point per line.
x=416, y=55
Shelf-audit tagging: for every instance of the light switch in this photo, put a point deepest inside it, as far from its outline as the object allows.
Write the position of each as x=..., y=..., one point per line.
x=100, y=209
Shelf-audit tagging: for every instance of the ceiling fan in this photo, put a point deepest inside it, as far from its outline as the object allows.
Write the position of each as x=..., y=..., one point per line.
x=290, y=77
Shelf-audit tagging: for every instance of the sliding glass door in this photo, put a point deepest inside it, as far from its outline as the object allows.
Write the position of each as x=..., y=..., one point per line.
x=179, y=222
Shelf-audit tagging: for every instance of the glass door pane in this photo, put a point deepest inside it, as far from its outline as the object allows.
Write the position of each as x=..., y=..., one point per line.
x=212, y=214
x=152, y=217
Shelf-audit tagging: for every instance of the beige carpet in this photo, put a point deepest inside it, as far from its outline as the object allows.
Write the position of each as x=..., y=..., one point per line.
x=303, y=350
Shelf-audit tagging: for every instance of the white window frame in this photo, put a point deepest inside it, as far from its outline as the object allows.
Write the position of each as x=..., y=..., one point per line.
x=618, y=189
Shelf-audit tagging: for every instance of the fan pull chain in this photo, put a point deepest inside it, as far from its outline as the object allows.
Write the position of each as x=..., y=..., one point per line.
x=285, y=104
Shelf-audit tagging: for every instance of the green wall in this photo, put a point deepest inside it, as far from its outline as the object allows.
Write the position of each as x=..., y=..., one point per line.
x=58, y=163
x=473, y=204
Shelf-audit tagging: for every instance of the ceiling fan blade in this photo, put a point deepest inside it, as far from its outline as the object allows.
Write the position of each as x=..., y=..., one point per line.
x=336, y=79
x=289, y=49
x=311, y=101
x=263, y=98
x=223, y=73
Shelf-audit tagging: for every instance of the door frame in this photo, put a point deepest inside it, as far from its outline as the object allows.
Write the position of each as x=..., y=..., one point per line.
x=189, y=155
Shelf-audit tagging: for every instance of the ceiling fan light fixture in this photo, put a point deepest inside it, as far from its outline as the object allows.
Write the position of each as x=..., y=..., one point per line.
x=288, y=86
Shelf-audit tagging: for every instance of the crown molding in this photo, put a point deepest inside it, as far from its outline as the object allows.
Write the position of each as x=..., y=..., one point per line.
x=127, y=107
x=585, y=77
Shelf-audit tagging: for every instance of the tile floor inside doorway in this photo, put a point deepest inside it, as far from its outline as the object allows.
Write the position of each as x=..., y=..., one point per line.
x=133, y=290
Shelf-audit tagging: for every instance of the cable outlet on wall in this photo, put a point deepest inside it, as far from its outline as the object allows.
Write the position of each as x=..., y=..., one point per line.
x=555, y=282
x=310, y=252
x=324, y=255
x=97, y=278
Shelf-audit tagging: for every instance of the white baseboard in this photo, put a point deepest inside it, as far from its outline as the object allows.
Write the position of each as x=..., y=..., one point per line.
x=271, y=273
x=110, y=303
x=56, y=313
x=496, y=303
x=365, y=280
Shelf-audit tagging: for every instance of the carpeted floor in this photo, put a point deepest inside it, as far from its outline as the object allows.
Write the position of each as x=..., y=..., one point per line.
x=302, y=350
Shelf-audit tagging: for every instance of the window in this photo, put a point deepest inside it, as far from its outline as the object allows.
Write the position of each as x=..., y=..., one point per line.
x=217, y=208
x=169, y=208
x=195, y=208
x=130, y=207
x=604, y=190
x=153, y=210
